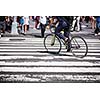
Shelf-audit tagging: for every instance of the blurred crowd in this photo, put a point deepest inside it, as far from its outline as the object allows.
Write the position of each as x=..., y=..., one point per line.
x=43, y=22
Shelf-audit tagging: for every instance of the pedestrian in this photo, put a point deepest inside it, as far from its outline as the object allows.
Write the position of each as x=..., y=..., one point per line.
x=76, y=23
x=36, y=18
x=87, y=19
x=93, y=22
x=43, y=25
x=8, y=23
x=2, y=25
x=21, y=24
x=97, y=30
x=26, y=24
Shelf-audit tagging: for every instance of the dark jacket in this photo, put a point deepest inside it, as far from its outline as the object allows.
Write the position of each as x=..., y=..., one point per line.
x=67, y=19
x=2, y=18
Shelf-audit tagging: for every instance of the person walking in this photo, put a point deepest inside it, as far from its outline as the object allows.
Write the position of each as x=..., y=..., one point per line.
x=2, y=25
x=8, y=22
x=43, y=25
x=26, y=24
x=97, y=29
x=76, y=21
x=21, y=24
x=36, y=18
x=93, y=22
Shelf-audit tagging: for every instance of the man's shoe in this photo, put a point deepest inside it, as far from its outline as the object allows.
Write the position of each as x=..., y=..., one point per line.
x=96, y=34
x=66, y=41
x=42, y=37
x=68, y=50
x=52, y=44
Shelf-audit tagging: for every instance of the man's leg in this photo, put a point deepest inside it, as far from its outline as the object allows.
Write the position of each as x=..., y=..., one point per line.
x=58, y=30
x=2, y=28
x=42, y=29
x=78, y=23
x=68, y=44
x=73, y=24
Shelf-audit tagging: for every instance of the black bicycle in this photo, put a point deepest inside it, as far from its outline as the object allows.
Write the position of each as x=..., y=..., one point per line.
x=78, y=46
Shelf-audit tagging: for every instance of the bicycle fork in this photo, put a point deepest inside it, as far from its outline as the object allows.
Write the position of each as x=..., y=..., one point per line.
x=53, y=40
x=76, y=45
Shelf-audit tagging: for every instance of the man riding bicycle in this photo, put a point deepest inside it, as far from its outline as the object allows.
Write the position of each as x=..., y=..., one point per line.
x=64, y=24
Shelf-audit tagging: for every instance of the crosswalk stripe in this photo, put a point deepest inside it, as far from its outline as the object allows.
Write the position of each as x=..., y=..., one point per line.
x=31, y=49
x=49, y=57
x=41, y=41
x=52, y=63
x=37, y=49
x=50, y=69
x=42, y=53
x=23, y=53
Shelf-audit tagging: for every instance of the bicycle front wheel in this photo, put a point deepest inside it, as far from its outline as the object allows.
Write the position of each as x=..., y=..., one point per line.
x=52, y=43
x=79, y=46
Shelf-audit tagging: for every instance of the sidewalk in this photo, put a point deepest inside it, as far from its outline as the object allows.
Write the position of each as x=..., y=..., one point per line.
x=34, y=32
x=31, y=32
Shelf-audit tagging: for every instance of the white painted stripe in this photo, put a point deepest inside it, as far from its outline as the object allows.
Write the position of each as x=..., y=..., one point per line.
x=48, y=63
x=27, y=38
x=23, y=53
x=17, y=50
x=48, y=57
x=50, y=69
x=34, y=38
x=23, y=47
x=13, y=39
x=37, y=53
x=22, y=40
x=25, y=57
x=39, y=49
x=19, y=42
x=40, y=45
x=30, y=42
x=13, y=48
x=27, y=50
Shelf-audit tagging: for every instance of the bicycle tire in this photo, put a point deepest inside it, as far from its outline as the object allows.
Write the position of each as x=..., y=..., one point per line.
x=52, y=43
x=79, y=47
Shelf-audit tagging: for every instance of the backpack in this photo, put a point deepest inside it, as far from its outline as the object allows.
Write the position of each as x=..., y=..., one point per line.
x=68, y=19
x=21, y=21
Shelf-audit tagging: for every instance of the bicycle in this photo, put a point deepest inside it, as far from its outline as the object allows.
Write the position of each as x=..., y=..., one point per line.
x=78, y=46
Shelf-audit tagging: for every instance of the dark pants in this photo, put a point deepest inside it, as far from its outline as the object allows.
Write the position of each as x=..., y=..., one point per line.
x=42, y=29
x=36, y=21
x=62, y=25
x=87, y=19
x=8, y=27
x=2, y=26
x=97, y=30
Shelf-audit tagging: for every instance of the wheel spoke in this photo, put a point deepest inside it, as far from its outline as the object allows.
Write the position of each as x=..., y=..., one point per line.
x=52, y=43
x=79, y=46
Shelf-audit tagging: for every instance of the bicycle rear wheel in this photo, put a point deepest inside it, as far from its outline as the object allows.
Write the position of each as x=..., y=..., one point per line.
x=79, y=46
x=52, y=43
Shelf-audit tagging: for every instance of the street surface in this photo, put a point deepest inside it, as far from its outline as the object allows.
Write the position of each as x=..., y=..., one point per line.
x=23, y=58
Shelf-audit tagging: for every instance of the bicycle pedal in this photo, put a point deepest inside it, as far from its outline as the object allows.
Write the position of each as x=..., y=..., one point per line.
x=68, y=50
x=52, y=44
x=66, y=43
